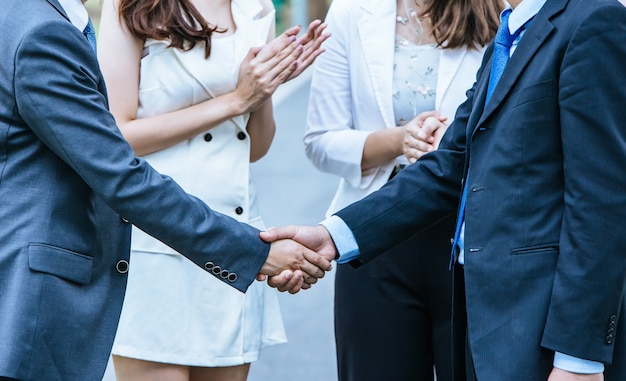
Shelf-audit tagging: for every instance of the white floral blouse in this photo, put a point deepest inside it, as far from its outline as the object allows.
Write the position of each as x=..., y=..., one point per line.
x=415, y=72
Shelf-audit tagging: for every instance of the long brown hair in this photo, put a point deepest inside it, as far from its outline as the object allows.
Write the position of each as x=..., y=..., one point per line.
x=463, y=23
x=176, y=20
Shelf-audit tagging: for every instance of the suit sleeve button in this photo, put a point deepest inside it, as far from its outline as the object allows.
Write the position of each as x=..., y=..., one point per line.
x=216, y=270
x=232, y=277
x=239, y=210
x=208, y=137
x=122, y=266
x=224, y=274
x=209, y=266
x=241, y=135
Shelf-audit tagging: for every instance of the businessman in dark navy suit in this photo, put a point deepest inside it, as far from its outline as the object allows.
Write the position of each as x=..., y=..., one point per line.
x=69, y=188
x=543, y=162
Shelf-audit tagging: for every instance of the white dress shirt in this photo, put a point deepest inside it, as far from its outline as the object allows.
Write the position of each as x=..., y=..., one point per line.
x=76, y=12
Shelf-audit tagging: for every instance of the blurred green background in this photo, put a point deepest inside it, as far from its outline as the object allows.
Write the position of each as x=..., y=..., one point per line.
x=288, y=12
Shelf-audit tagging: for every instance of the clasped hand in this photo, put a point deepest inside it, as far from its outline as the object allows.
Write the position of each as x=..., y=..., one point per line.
x=299, y=256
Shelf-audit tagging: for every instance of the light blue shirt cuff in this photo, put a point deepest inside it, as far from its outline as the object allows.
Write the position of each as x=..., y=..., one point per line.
x=576, y=365
x=344, y=240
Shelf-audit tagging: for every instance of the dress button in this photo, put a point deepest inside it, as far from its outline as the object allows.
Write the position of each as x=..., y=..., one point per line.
x=241, y=135
x=239, y=210
x=122, y=266
x=216, y=270
x=208, y=137
x=209, y=266
x=232, y=277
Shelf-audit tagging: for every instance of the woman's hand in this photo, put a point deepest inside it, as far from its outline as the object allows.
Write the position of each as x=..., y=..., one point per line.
x=311, y=43
x=264, y=69
x=422, y=134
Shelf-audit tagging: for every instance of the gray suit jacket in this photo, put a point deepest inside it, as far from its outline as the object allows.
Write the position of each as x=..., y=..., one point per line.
x=545, y=268
x=66, y=177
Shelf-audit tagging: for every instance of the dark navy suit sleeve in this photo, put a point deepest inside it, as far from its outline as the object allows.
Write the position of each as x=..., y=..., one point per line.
x=418, y=197
x=62, y=100
x=590, y=278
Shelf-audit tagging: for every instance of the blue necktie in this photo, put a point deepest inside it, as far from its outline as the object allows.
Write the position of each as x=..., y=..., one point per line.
x=90, y=34
x=501, y=54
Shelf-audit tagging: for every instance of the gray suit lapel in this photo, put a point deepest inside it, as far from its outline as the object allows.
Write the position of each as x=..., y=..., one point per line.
x=59, y=8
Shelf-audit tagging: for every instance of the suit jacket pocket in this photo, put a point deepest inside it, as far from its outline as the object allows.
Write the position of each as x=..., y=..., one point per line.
x=63, y=263
x=536, y=249
x=535, y=92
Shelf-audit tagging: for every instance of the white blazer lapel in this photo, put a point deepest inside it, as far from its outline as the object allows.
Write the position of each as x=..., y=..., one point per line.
x=377, y=35
x=449, y=63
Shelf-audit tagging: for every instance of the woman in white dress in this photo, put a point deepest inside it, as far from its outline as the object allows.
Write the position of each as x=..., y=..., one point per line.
x=191, y=89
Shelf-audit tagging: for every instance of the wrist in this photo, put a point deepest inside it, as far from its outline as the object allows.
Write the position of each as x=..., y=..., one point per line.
x=234, y=103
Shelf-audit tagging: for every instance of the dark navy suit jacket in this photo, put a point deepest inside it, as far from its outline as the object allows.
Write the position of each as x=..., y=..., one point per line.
x=545, y=263
x=66, y=177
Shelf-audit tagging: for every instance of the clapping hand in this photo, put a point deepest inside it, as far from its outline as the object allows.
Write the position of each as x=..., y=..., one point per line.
x=320, y=252
x=422, y=134
x=311, y=43
x=285, y=57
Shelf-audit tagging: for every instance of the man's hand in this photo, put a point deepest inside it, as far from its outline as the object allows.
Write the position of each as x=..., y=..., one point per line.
x=562, y=375
x=286, y=254
x=315, y=238
x=422, y=134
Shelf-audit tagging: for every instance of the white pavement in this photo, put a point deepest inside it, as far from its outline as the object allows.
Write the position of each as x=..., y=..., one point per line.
x=292, y=191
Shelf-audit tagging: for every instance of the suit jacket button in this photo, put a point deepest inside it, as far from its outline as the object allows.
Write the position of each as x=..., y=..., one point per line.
x=613, y=319
x=239, y=210
x=608, y=340
x=232, y=277
x=122, y=266
x=208, y=137
x=241, y=135
x=209, y=266
x=216, y=270
x=124, y=220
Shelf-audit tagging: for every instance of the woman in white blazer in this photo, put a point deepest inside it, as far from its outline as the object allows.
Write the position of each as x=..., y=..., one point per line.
x=384, y=64
x=190, y=88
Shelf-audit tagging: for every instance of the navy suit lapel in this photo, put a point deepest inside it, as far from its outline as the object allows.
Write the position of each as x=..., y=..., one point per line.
x=538, y=31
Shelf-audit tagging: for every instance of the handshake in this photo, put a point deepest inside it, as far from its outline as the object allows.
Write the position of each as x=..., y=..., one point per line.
x=298, y=257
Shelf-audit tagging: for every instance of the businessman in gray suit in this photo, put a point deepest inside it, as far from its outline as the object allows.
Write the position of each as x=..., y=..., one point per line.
x=70, y=186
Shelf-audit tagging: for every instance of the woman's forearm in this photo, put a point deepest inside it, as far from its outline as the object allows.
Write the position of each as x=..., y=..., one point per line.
x=381, y=147
x=151, y=134
x=261, y=128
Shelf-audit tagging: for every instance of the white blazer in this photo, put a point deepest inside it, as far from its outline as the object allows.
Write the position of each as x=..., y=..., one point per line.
x=351, y=93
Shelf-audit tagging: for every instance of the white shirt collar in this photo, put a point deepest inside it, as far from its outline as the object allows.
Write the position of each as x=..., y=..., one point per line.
x=525, y=11
x=76, y=12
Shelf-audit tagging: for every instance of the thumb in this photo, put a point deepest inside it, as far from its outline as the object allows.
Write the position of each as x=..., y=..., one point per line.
x=274, y=234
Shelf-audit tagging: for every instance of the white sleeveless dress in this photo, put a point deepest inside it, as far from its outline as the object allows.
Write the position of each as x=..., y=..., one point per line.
x=174, y=312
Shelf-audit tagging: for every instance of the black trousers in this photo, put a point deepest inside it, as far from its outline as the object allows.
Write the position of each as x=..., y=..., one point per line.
x=463, y=364
x=393, y=314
